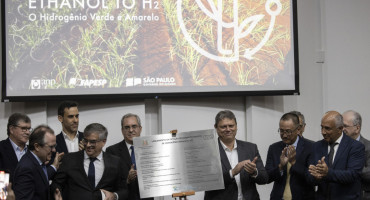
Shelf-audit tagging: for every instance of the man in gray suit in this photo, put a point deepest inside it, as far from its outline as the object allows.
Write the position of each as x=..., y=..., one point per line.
x=352, y=127
x=242, y=166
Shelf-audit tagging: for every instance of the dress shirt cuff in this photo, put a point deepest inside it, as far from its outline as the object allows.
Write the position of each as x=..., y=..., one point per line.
x=231, y=173
x=116, y=196
x=102, y=195
x=55, y=169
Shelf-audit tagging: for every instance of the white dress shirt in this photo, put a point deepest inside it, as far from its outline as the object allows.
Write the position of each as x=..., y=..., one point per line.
x=18, y=150
x=72, y=145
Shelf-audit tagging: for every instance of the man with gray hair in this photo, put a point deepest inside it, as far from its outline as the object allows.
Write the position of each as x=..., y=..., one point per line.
x=130, y=128
x=336, y=161
x=91, y=173
x=352, y=127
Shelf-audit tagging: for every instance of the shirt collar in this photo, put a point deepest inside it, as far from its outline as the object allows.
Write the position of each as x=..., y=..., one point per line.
x=358, y=138
x=99, y=157
x=66, y=136
x=339, y=139
x=16, y=147
x=225, y=147
x=37, y=158
x=128, y=145
x=296, y=142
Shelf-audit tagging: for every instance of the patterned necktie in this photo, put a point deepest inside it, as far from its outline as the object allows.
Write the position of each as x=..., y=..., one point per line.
x=133, y=160
x=91, y=173
x=331, y=153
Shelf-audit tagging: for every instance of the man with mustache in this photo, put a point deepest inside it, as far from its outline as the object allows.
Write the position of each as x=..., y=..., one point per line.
x=91, y=173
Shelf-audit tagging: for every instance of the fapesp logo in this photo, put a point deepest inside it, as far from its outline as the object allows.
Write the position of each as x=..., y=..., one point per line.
x=240, y=30
x=75, y=82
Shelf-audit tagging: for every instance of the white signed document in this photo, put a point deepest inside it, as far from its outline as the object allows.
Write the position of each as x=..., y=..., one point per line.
x=168, y=163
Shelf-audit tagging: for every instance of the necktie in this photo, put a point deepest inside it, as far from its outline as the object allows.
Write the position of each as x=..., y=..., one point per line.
x=133, y=160
x=45, y=171
x=91, y=173
x=331, y=153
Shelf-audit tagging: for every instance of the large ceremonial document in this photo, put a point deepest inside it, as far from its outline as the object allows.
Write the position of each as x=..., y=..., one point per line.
x=168, y=163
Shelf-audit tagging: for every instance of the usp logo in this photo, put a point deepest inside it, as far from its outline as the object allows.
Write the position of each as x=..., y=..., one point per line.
x=228, y=52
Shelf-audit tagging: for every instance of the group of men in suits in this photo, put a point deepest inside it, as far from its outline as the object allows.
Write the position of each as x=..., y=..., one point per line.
x=335, y=165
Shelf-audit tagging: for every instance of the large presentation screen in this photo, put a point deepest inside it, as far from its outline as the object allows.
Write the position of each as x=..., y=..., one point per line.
x=148, y=47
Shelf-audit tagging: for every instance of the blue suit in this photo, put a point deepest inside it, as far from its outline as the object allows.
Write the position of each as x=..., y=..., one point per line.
x=30, y=181
x=343, y=180
x=298, y=184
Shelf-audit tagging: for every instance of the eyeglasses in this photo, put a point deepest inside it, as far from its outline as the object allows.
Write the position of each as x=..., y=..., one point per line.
x=129, y=127
x=51, y=147
x=24, y=129
x=288, y=132
x=92, y=142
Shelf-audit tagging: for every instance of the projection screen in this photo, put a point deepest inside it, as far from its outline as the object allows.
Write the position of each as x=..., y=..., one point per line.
x=57, y=48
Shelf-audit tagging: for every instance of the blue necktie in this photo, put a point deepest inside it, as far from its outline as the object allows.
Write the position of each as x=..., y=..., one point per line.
x=133, y=160
x=91, y=173
x=45, y=171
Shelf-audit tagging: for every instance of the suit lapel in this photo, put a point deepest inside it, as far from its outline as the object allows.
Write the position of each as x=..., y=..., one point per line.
x=80, y=162
x=38, y=167
x=300, y=146
x=342, y=146
x=11, y=153
x=126, y=157
x=225, y=162
x=62, y=143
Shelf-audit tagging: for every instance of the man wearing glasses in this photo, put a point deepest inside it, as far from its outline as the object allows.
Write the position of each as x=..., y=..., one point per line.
x=91, y=173
x=288, y=160
x=130, y=128
x=31, y=179
x=14, y=147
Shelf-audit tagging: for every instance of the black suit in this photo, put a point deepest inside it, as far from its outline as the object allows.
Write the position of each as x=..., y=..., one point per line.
x=30, y=181
x=246, y=151
x=298, y=185
x=120, y=150
x=8, y=158
x=365, y=175
x=61, y=143
x=72, y=178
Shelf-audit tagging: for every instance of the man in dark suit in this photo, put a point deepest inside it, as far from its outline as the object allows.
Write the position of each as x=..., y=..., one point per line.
x=288, y=160
x=91, y=173
x=69, y=140
x=14, y=147
x=31, y=180
x=336, y=162
x=352, y=122
x=130, y=127
x=242, y=166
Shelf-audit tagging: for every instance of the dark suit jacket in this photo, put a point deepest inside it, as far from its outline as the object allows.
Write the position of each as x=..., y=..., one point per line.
x=61, y=143
x=72, y=178
x=120, y=150
x=365, y=175
x=298, y=185
x=343, y=179
x=30, y=181
x=8, y=158
x=246, y=151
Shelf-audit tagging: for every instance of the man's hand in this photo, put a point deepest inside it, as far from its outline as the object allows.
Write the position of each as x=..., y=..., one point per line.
x=81, y=146
x=322, y=168
x=108, y=195
x=250, y=166
x=57, y=195
x=283, y=158
x=238, y=168
x=58, y=158
x=291, y=154
x=132, y=174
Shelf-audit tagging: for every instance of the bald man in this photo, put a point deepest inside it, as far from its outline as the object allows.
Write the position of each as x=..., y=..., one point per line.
x=336, y=162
